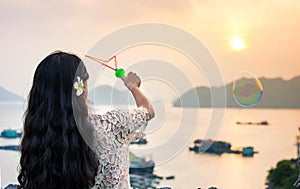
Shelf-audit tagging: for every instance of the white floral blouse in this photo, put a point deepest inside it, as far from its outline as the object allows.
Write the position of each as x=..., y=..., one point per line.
x=113, y=133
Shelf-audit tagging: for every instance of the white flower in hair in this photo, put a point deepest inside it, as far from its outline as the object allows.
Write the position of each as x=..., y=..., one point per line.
x=78, y=85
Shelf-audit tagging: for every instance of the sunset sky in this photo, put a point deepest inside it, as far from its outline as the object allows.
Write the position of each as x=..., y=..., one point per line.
x=270, y=29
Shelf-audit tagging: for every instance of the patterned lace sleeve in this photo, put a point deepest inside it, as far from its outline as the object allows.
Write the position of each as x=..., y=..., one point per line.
x=129, y=124
x=138, y=121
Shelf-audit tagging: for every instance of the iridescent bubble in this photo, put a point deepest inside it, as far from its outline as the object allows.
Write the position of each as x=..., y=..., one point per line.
x=247, y=89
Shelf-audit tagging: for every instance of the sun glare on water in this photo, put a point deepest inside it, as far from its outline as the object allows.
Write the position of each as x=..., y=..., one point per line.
x=237, y=44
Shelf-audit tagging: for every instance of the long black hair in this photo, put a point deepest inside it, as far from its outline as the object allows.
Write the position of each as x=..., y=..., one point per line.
x=54, y=155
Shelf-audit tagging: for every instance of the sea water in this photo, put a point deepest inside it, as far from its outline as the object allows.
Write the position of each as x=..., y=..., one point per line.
x=227, y=171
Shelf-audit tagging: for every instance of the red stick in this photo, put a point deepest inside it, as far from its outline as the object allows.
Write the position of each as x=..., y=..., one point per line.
x=102, y=61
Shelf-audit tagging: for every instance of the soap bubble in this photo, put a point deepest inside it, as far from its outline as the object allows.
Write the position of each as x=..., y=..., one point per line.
x=247, y=89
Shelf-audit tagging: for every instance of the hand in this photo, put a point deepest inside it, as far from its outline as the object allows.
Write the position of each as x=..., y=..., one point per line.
x=132, y=81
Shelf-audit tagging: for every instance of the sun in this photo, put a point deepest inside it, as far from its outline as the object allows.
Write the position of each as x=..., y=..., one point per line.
x=237, y=44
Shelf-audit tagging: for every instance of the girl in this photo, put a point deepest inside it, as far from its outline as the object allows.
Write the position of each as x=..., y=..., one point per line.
x=59, y=131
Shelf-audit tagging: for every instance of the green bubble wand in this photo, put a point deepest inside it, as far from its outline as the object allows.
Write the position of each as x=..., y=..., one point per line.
x=119, y=72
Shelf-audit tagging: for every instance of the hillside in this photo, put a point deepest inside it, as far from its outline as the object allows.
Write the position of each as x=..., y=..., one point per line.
x=277, y=93
x=8, y=96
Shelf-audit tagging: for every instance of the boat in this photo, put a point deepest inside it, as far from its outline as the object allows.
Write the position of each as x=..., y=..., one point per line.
x=170, y=177
x=10, y=133
x=252, y=123
x=140, y=141
x=140, y=165
x=248, y=151
x=141, y=172
x=220, y=147
x=210, y=146
x=10, y=147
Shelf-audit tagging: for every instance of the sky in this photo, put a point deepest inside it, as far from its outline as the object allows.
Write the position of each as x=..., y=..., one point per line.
x=31, y=29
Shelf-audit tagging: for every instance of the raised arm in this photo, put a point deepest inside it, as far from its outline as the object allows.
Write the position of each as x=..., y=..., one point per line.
x=133, y=82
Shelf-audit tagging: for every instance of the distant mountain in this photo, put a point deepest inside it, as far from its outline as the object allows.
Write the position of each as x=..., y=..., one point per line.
x=7, y=96
x=277, y=93
x=106, y=95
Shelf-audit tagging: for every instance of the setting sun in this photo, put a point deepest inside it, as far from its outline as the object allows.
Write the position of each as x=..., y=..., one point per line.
x=237, y=44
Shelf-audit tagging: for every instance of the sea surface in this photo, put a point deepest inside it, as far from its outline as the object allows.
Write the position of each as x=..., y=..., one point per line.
x=227, y=171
